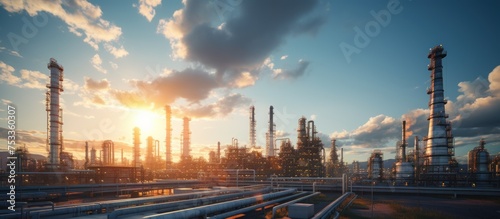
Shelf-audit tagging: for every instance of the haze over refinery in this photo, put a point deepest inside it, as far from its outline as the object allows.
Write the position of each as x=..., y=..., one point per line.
x=357, y=69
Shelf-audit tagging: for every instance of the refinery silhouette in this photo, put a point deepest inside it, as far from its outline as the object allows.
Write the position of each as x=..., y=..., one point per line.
x=237, y=179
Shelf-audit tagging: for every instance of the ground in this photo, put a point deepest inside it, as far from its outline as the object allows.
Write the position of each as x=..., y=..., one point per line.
x=407, y=206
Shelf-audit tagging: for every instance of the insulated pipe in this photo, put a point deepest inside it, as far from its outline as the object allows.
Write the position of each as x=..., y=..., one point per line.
x=253, y=207
x=209, y=209
x=325, y=212
x=182, y=204
x=275, y=208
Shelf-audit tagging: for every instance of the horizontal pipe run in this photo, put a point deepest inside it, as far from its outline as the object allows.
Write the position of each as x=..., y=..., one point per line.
x=275, y=208
x=326, y=212
x=253, y=207
x=176, y=205
x=111, y=205
x=210, y=209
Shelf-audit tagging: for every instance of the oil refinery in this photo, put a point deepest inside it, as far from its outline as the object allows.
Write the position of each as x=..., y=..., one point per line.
x=237, y=178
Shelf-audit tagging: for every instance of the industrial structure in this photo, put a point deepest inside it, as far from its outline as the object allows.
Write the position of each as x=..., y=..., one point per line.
x=439, y=163
x=108, y=153
x=55, y=141
x=336, y=166
x=404, y=169
x=270, y=134
x=376, y=165
x=136, y=162
x=185, y=139
x=253, y=135
x=478, y=161
x=168, y=138
x=311, y=153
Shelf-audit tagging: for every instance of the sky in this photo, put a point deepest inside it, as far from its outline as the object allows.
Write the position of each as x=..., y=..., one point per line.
x=357, y=68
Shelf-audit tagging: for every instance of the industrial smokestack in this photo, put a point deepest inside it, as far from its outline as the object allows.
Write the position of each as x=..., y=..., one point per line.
x=93, y=156
x=86, y=154
x=137, y=147
x=270, y=146
x=252, y=127
x=149, y=152
x=416, y=157
x=342, y=156
x=185, y=139
x=54, y=112
x=218, y=151
x=403, y=144
x=168, y=139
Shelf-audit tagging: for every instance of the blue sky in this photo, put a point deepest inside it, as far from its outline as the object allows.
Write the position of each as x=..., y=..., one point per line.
x=211, y=60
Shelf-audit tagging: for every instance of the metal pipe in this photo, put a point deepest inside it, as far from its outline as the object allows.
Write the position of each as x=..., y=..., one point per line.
x=209, y=209
x=275, y=208
x=325, y=212
x=193, y=200
x=253, y=207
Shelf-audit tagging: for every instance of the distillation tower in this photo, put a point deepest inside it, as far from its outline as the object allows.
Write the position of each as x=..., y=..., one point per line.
x=54, y=114
x=439, y=151
x=309, y=148
x=185, y=137
x=168, y=138
x=270, y=134
x=252, y=127
x=137, y=148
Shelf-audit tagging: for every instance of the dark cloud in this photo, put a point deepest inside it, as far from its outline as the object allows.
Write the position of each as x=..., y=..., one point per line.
x=220, y=108
x=25, y=137
x=293, y=73
x=244, y=40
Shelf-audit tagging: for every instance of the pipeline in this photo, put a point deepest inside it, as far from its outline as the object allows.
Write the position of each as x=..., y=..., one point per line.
x=275, y=208
x=209, y=209
x=111, y=205
x=328, y=210
x=253, y=207
x=176, y=205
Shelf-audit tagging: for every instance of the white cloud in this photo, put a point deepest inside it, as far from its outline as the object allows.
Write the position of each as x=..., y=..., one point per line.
x=117, y=52
x=97, y=63
x=284, y=57
x=81, y=16
x=245, y=79
x=33, y=79
x=10, y=52
x=113, y=65
x=147, y=8
x=6, y=74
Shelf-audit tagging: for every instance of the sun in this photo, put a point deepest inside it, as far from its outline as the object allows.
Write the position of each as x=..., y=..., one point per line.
x=145, y=120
